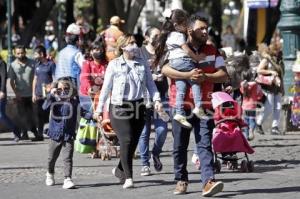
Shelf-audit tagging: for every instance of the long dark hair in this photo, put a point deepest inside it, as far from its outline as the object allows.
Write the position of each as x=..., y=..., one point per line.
x=178, y=16
x=247, y=75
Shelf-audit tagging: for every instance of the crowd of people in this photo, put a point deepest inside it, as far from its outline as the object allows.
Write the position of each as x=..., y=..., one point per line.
x=172, y=74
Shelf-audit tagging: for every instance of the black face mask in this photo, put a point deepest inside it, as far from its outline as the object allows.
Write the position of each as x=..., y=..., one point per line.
x=98, y=55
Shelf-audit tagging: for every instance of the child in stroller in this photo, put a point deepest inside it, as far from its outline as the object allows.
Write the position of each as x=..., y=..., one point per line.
x=228, y=138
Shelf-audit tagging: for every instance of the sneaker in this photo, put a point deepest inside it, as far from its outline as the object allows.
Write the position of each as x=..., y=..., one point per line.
x=182, y=120
x=212, y=187
x=119, y=174
x=251, y=135
x=68, y=184
x=50, y=179
x=24, y=136
x=145, y=171
x=275, y=131
x=128, y=184
x=16, y=139
x=259, y=130
x=157, y=163
x=196, y=161
x=199, y=112
x=181, y=188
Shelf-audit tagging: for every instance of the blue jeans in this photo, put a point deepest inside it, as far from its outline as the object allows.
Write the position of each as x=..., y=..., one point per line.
x=5, y=120
x=203, y=135
x=86, y=103
x=161, y=130
x=185, y=64
x=250, y=120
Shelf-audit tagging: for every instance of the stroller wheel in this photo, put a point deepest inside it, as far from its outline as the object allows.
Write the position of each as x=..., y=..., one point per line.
x=244, y=166
x=217, y=166
x=250, y=166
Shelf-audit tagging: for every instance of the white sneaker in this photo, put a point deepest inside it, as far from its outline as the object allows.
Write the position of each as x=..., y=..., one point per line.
x=251, y=135
x=182, y=120
x=50, y=179
x=68, y=184
x=128, y=184
x=199, y=112
x=145, y=171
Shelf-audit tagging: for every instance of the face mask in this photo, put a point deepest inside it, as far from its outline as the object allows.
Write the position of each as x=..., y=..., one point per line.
x=98, y=55
x=131, y=49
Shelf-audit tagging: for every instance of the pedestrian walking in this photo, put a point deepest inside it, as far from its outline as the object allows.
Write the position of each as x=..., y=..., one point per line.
x=21, y=75
x=3, y=99
x=147, y=53
x=63, y=102
x=252, y=93
x=271, y=67
x=43, y=77
x=127, y=78
x=181, y=58
x=213, y=71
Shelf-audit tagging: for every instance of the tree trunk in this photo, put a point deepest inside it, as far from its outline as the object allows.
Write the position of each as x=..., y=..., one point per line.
x=70, y=11
x=37, y=21
x=216, y=14
x=133, y=14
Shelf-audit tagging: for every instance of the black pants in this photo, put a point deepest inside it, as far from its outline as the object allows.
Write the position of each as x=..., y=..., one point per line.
x=27, y=117
x=42, y=116
x=67, y=148
x=128, y=121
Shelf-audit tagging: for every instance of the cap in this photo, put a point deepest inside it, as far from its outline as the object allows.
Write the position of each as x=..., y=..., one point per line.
x=73, y=29
x=116, y=20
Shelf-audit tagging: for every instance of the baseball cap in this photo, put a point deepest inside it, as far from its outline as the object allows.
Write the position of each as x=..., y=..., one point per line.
x=116, y=20
x=73, y=29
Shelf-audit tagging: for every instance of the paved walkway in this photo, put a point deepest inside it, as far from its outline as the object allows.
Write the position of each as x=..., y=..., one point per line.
x=22, y=173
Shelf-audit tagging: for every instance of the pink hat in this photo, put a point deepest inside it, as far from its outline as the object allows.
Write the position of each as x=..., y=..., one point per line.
x=219, y=98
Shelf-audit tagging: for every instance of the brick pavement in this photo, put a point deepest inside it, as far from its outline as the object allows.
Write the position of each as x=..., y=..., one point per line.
x=22, y=173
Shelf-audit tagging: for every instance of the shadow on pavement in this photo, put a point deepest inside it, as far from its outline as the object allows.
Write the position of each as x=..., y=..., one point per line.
x=257, y=191
x=22, y=143
x=274, y=146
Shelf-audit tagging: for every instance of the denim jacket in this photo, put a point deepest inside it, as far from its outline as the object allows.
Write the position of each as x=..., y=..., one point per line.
x=63, y=118
x=115, y=81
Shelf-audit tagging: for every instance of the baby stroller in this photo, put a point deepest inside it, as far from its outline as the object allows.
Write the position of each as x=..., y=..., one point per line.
x=228, y=139
x=108, y=144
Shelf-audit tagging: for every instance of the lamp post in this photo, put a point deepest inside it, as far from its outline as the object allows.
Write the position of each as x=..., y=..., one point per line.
x=289, y=26
x=231, y=10
x=60, y=22
x=9, y=34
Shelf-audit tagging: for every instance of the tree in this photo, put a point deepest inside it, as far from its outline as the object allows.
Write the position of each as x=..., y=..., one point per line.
x=127, y=9
x=35, y=24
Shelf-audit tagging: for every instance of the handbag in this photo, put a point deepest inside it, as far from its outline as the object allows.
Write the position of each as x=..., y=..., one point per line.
x=264, y=79
x=87, y=136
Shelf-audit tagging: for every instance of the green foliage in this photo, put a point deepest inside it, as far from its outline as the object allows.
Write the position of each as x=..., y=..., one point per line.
x=83, y=7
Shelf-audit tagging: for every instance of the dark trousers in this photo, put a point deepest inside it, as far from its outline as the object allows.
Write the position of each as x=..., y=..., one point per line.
x=26, y=113
x=128, y=121
x=67, y=148
x=203, y=135
x=5, y=120
x=42, y=116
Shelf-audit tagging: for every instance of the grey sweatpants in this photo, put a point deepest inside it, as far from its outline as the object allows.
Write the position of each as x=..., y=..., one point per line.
x=67, y=148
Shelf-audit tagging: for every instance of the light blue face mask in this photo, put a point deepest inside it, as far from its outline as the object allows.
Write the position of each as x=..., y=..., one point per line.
x=131, y=49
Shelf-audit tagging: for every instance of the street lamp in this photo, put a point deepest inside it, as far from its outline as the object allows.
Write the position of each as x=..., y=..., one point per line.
x=60, y=22
x=231, y=10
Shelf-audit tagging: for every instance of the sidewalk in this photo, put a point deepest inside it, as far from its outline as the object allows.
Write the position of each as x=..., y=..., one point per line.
x=22, y=173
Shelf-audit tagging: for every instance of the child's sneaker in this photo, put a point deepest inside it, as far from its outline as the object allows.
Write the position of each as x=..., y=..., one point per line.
x=199, y=112
x=128, y=184
x=49, y=179
x=196, y=161
x=251, y=135
x=182, y=120
x=68, y=184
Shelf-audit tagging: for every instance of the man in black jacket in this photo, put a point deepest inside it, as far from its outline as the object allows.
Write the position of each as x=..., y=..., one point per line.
x=3, y=118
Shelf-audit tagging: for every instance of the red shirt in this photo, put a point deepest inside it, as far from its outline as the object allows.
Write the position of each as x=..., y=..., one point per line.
x=211, y=64
x=89, y=73
x=255, y=94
